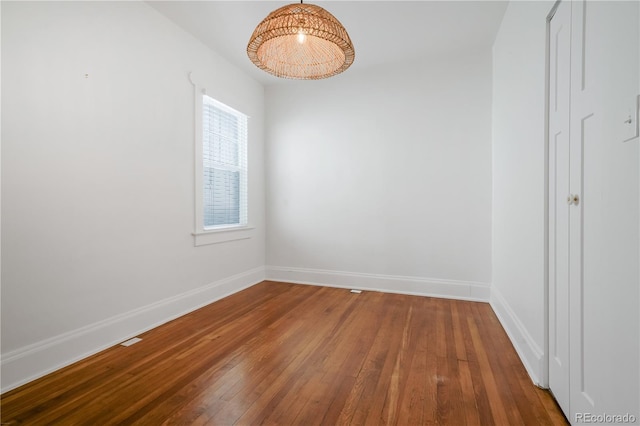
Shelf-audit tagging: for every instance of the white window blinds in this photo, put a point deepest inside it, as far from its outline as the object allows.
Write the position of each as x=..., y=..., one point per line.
x=224, y=158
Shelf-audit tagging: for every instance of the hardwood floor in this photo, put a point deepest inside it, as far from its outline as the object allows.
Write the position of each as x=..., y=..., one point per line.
x=290, y=354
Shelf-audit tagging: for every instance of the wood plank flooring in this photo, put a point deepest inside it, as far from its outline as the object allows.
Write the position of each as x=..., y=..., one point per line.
x=286, y=354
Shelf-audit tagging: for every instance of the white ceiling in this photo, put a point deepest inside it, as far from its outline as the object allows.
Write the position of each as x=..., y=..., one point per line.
x=381, y=31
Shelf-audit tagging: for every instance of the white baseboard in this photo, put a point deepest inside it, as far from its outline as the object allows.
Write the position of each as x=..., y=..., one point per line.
x=31, y=362
x=450, y=289
x=528, y=350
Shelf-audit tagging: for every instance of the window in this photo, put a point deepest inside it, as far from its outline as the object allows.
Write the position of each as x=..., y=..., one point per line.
x=221, y=170
x=224, y=166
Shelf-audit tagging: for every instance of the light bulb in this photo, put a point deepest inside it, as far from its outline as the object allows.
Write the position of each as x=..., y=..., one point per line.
x=301, y=36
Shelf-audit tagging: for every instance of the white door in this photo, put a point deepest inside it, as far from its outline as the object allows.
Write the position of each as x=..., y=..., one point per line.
x=604, y=226
x=599, y=238
x=559, y=190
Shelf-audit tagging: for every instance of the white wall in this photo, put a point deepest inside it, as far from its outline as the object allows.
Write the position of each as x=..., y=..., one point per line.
x=383, y=179
x=518, y=288
x=98, y=179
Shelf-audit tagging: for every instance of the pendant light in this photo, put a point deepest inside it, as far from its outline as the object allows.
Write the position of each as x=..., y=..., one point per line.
x=301, y=41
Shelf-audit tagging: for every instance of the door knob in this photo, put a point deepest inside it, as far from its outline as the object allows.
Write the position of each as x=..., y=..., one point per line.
x=573, y=199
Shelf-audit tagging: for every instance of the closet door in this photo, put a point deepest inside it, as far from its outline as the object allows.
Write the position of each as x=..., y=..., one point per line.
x=594, y=209
x=604, y=257
x=559, y=190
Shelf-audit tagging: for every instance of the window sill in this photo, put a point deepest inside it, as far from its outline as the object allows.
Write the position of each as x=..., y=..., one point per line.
x=222, y=235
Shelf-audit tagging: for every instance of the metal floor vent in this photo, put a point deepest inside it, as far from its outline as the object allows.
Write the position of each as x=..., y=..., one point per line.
x=131, y=341
x=356, y=291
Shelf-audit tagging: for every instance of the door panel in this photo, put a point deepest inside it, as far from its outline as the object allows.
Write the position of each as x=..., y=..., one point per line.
x=559, y=155
x=594, y=245
x=604, y=253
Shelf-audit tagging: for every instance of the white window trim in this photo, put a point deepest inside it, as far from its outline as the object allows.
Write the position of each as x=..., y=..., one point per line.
x=222, y=235
x=219, y=234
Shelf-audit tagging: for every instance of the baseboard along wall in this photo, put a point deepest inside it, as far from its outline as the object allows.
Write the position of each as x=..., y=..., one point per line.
x=418, y=286
x=528, y=350
x=31, y=362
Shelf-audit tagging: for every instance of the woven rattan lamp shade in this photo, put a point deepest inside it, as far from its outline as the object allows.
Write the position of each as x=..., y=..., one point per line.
x=301, y=41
